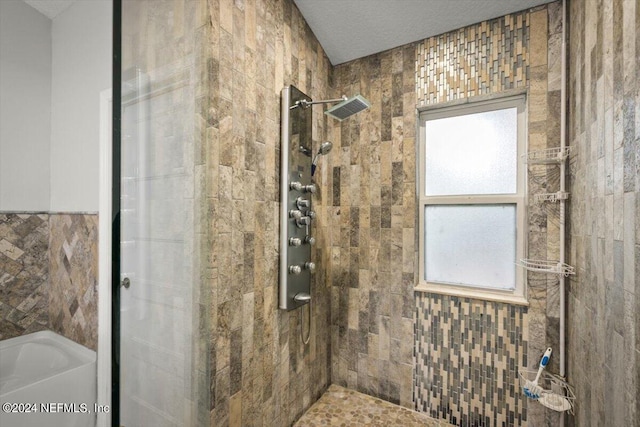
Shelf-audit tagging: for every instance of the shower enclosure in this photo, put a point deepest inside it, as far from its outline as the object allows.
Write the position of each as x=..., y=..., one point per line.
x=159, y=369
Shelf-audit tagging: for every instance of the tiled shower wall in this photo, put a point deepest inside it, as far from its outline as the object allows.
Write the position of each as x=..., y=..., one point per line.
x=373, y=250
x=261, y=372
x=48, y=275
x=371, y=208
x=24, y=273
x=604, y=129
x=518, y=52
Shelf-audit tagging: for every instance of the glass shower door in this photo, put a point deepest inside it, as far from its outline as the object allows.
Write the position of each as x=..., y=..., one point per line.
x=160, y=382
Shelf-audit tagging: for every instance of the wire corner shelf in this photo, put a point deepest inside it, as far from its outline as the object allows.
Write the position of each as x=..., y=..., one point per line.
x=551, y=197
x=547, y=156
x=556, y=393
x=547, y=266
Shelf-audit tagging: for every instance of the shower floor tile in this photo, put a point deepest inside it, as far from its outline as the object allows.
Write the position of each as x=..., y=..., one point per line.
x=339, y=406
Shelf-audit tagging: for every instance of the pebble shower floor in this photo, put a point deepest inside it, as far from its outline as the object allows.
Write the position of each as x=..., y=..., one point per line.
x=339, y=406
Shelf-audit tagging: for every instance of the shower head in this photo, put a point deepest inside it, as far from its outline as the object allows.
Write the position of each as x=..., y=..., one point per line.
x=348, y=107
x=325, y=147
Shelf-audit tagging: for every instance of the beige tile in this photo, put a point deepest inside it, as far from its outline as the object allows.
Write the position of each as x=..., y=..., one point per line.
x=10, y=250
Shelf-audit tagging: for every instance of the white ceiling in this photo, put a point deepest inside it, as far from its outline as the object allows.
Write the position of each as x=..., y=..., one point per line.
x=350, y=29
x=50, y=8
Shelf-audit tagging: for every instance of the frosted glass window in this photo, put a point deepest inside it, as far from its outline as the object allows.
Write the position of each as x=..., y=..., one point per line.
x=473, y=245
x=472, y=154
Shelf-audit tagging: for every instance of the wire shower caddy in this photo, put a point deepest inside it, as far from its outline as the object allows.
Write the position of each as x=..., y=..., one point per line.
x=556, y=394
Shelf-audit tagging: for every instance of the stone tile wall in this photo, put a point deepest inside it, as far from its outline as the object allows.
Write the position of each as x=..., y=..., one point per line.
x=73, y=277
x=372, y=216
x=373, y=250
x=49, y=274
x=261, y=373
x=516, y=51
x=603, y=311
x=24, y=273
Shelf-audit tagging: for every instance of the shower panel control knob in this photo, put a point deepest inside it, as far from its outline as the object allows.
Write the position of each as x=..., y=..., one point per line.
x=294, y=241
x=311, y=214
x=301, y=222
x=295, y=185
x=310, y=240
x=311, y=188
x=302, y=203
x=310, y=266
x=295, y=269
x=295, y=214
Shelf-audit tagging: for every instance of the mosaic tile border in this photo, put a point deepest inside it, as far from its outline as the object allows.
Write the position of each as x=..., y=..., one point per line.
x=467, y=355
x=479, y=59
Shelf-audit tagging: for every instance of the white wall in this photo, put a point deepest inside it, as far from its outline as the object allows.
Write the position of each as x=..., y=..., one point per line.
x=81, y=70
x=25, y=107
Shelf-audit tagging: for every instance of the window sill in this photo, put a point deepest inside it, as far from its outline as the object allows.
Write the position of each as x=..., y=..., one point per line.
x=463, y=292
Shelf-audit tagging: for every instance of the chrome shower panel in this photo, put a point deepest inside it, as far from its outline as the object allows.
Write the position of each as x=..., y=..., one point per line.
x=296, y=195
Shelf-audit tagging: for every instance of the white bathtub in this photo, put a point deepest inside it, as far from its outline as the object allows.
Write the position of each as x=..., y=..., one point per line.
x=50, y=376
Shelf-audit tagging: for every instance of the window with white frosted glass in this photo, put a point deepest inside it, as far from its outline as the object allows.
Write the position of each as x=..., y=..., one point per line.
x=473, y=245
x=472, y=198
x=472, y=154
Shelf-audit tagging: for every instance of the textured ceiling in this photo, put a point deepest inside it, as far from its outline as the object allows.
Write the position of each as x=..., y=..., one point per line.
x=350, y=29
x=50, y=8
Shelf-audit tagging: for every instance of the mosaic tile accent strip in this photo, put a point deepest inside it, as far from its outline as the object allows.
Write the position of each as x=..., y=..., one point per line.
x=468, y=353
x=339, y=406
x=24, y=287
x=485, y=58
x=603, y=310
x=73, y=272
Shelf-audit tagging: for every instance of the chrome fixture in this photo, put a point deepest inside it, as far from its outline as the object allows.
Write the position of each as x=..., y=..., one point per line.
x=303, y=203
x=302, y=297
x=325, y=147
x=295, y=241
x=348, y=108
x=306, y=103
x=303, y=221
x=295, y=269
x=297, y=190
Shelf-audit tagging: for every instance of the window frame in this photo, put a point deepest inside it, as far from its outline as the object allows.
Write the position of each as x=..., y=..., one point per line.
x=519, y=199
